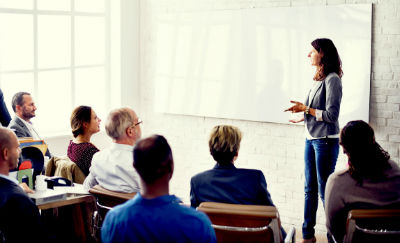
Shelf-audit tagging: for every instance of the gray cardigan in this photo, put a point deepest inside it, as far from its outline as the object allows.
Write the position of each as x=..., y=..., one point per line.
x=326, y=98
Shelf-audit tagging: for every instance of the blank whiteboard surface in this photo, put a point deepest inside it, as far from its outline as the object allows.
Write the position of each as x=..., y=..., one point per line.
x=248, y=64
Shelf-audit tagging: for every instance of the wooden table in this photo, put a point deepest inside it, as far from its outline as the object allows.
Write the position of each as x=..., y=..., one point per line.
x=69, y=220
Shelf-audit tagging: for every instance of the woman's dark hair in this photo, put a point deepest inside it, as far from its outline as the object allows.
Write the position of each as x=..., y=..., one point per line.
x=330, y=61
x=80, y=115
x=367, y=159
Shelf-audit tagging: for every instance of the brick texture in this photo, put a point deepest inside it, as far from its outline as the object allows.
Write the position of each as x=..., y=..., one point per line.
x=276, y=149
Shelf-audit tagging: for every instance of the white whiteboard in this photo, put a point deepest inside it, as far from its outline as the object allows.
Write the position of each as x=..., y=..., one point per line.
x=247, y=64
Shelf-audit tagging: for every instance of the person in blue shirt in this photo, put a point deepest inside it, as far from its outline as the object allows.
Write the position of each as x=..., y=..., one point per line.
x=154, y=215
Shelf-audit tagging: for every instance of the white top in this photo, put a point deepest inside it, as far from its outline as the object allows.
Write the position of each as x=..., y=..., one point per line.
x=29, y=125
x=112, y=168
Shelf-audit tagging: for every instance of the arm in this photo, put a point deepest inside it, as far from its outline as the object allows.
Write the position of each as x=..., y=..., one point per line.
x=26, y=188
x=90, y=181
x=336, y=214
x=333, y=98
x=264, y=195
x=5, y=117
x=193, y=200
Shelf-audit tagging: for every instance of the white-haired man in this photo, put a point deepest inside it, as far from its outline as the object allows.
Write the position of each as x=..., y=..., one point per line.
x=112, y=167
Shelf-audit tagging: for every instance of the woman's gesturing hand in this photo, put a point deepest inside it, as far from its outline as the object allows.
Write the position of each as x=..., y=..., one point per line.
x=298, y=107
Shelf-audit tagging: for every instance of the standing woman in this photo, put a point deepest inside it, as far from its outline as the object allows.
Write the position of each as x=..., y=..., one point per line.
x=321, y=113
x=84, y=123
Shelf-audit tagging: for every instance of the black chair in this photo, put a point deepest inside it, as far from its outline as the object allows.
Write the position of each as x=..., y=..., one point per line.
x=37, y=159
x=105, y=200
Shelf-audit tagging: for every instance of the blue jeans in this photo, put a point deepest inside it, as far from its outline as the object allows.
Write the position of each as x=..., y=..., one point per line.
x=320, y=158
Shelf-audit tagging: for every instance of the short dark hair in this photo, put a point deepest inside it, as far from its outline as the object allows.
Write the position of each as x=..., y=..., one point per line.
x=367, y=159
x=152, y=158
x=80, y=115
x=330, y=61
x=18, y=99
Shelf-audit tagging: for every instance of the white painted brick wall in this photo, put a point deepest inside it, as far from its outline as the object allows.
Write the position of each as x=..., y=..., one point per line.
x=276, y=149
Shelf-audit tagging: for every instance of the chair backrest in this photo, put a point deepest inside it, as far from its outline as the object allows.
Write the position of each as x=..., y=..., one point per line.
x=373, y=225
x=105, y=200
x=109, y=198
x=35, y=156
x=243, y=223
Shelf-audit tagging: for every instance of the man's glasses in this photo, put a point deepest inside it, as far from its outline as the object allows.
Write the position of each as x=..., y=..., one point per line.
x=139, y=121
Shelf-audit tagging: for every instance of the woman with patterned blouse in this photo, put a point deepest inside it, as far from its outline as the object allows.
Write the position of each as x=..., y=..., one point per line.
x=84, y=123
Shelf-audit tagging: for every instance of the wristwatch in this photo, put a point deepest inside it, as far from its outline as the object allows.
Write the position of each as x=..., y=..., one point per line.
x=307, y=111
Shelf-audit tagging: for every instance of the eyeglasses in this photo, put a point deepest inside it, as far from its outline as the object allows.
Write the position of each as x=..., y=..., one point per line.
x=139, y=121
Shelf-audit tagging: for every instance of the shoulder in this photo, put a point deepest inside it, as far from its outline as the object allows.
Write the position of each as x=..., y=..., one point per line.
x=252, y=172
x=339, y=177
x=332, y=78
x=92, y=147
x=15, y=123
x=192, y=214
x=201, y=175
x=16, y=195
x=83, y=146
x=101, y=155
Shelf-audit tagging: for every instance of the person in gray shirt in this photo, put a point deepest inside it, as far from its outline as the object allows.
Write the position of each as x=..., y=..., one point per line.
x=371, y=180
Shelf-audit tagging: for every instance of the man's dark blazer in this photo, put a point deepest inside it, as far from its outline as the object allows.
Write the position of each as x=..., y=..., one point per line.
x=19, y=216
x=227, y=184
x=21, y=130
x=4, y=115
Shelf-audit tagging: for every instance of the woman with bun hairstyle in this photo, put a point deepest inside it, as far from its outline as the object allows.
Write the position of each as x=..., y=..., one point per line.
x=84, y=123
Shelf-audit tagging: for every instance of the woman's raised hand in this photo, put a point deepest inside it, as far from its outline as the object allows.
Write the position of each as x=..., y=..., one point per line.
x=297, y=107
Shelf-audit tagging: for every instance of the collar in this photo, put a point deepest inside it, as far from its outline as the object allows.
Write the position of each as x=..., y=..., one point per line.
x=122, y=146
x=9, y=178
x=25, y=122
x=229, y=166
x=158, y=201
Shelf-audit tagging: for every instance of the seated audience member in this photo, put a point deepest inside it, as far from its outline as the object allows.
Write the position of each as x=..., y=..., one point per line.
x=225, y=183
x=371, y=181
x=154, y=215
x=20, y=218
x=5, y=117
x=84, y=123
x=112, y=168
x=24, y=108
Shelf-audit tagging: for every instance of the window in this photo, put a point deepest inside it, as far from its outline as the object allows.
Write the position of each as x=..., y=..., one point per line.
x=60, y=52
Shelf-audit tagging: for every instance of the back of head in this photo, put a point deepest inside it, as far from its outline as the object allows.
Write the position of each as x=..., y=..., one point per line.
x=18, y=99
x=224, y=143
x=330, y=61
x=367, y=159
x=118, y=121
x=5, y=139
x=152, y=158
x=80, y=115
x=9, y=141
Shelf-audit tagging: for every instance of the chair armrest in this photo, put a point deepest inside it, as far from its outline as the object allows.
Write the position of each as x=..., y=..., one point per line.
x=291, y=235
